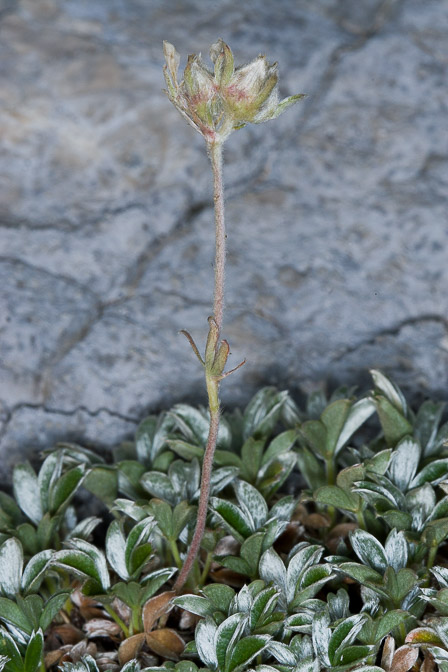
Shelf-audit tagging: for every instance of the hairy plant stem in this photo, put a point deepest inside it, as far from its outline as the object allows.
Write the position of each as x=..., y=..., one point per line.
x=212, y=381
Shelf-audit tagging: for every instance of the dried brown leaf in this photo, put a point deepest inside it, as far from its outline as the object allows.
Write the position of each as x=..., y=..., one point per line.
x=404, y=658
x=166, y=643
x=428, y=664
x=388, y=653
x=223, y=575
x=65, y=633
x=227, y=546
x=188, y=621
x=88, y=607
x=155, y=608
x=102, y=627
x=130, y=648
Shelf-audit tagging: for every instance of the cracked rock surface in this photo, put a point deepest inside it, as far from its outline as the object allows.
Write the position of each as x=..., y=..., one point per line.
x=337, y=230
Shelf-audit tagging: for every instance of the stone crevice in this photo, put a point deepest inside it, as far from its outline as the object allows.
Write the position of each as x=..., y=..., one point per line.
x=393, y=330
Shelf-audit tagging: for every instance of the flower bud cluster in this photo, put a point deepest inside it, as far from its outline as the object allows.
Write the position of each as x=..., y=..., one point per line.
x=219, y=102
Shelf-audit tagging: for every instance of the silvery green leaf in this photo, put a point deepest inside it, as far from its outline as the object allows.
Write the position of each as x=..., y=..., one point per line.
x=101, y=573
x=222, y=477
x=263, y=606
x=26, y=491
x=358, y=414
x=220, y=595
x=301, y=622
x=232, y=518
x=227, y=636
x=396, y=548
x=35, y=570
x=245, y=650
x=49, y=472
x=321, y=637
x=391, y=391
x=304, y=556
x=205, y=642
x=242, y=602
x=252, y=503
x=272, y=570
x=84, y=529
x=34, y=651
x=157, y=484
x=131, y=666
x=280, y=444
x=372, y=492
x=338, y=605
x=434, y=472
x=441, y=574
x=186, y=450
x=404, y=463
x=62, y=491
x=86, y=664
x=194, y=604
x=115, y=550
x=11, y=614
x=3, y=661
x=343, y=635
x=282, y=653
x=427, y=423
x=151, y=437
x=283, y=509
x=11, y=564
x=262, y=413
x=130, y=509
x=368, y=549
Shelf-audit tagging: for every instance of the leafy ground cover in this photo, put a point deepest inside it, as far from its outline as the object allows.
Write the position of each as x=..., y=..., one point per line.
x=324, y=546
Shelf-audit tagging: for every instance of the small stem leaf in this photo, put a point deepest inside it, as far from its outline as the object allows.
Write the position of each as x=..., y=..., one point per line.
x=314, y=434
x=11, y=563
x=427, y=423
x=137, y=539
x=26, y=491
x=252, y=503
x=369, y=550
x=205, y=642
x=354, y=654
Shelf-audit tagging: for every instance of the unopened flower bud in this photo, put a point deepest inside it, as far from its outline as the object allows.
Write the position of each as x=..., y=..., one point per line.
x=217, y=103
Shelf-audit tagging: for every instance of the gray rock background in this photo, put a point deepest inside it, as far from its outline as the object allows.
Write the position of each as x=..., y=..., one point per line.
x=337, y=211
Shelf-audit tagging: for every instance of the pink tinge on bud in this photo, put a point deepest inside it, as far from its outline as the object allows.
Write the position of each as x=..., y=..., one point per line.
x=217, y=103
